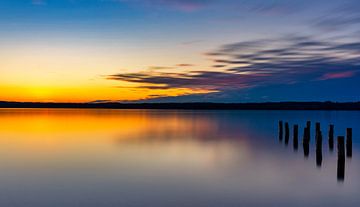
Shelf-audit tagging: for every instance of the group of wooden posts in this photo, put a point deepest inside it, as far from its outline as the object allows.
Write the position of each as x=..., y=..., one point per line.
x=341, y=145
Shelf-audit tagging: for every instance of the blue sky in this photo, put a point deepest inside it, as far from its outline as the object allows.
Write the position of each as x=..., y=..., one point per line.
x=180, y=50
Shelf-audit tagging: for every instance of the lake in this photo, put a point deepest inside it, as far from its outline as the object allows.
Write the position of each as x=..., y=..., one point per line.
x=177, y=158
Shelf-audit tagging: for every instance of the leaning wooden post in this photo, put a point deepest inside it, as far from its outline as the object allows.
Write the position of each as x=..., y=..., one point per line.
x=349, y=142
x=331, y=137
x=296, y=136
x=281, y=131
x=341, y=158
x=287, y=133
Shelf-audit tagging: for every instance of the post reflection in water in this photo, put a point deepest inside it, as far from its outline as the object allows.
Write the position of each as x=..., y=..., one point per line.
x=319, y=150
x=296, y=137
x=306, y=148
x=287, y=133
x=281, y=131
x=331, y=137
x=318, y=140
x=306, y=141
x=349, y=142
x=341, y=159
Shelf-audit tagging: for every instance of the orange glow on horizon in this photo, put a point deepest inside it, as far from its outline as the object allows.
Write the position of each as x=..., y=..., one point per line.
x=64, y=72
x=86, y=93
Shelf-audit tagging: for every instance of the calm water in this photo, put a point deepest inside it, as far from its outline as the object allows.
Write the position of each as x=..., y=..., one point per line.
x=153, y=158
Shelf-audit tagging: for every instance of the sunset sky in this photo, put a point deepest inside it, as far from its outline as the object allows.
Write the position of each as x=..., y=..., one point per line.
x=179, y=50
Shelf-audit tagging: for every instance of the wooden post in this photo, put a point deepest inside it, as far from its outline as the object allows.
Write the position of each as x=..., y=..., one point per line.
x=317, y=135
x=341, y=159
x=287, y=133
x=306, y=142
x=280, y=131
x=318, y=126
x=306, y=137
x=296, y=136
x=331, y=137
x=306, y=147
x=308, y=126
x=349, y=142
x=319, y=149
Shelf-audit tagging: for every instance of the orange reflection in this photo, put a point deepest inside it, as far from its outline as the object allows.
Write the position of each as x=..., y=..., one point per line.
x=65, y=135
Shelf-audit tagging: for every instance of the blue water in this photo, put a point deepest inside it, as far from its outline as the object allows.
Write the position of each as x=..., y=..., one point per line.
x=142, y=158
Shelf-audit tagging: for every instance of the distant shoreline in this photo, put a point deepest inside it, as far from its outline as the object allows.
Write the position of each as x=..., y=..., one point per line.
x=349, y=106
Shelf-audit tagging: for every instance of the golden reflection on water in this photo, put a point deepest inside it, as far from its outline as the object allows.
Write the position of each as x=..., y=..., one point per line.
x=49, y=121
x=45, y=135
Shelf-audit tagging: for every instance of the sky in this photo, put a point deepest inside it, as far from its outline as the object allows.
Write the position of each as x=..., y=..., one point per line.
x=179, y=50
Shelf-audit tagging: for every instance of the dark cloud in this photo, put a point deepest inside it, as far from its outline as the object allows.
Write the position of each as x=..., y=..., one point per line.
x=287, y=60
x=205, y=80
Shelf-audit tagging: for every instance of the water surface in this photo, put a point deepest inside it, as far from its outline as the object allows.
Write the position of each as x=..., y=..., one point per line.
x=106, y=158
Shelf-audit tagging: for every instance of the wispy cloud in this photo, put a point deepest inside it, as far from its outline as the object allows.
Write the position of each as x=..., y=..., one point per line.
x=183, y=5
x=185, y=65
x=196, y=80
x=256, y=6
x=342, y=17
x=264, y=62
x=38, y=2
x=346, y=74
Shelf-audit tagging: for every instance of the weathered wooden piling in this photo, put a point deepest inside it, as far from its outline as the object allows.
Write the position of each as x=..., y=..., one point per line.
x=287, y=133
x=296, y=136
x=341, y=146
x=317, y=136
x=341, y=158
x=317, y=126
x=349, y=142
x=331, y=137
x=308, y=128
x=306, y=147
x=306, y=141
x=308, y=124
x=319, y=148
x=306, y=137
x=280, y=131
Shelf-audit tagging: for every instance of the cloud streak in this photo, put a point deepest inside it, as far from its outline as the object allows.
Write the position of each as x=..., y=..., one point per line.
x=346, y=74
x=38, y=2
x=182, y=5
x=345, y=16
x=264, y=62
